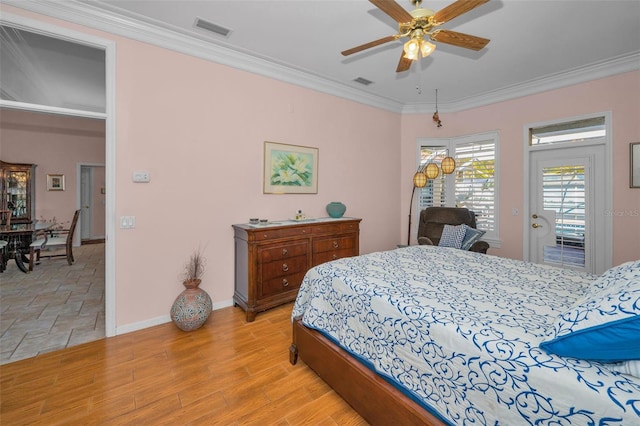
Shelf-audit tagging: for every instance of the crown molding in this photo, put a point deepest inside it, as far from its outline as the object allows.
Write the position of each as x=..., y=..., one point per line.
x=590, y=72
x=169, y=38
x=163, y=35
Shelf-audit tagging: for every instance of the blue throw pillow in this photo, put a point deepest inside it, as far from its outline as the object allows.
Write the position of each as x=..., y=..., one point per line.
x=605, y=324
x=452, y=236
x=471, y=235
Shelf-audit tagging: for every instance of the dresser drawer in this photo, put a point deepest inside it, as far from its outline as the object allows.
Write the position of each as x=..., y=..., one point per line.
x=335, y=228
x=272, y=234
x=279, y=285
x=284, y=251
x=333, y=243
x=328, y=256
x=280, y=268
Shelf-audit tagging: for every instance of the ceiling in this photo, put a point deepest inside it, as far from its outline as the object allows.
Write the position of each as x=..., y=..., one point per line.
x=535, y=45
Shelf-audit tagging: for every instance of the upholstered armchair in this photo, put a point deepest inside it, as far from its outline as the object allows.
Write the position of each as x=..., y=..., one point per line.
x=433, y=219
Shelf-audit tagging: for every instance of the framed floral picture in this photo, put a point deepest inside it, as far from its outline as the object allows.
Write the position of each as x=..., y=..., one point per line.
x=55, y=182
x=290, y=169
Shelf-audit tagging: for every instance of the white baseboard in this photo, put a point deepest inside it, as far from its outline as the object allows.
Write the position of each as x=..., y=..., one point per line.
x=152, y=322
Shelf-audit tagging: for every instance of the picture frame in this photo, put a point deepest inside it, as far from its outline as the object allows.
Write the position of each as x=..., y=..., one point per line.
x=290, y=169
x=55, y=182
x=634, y=165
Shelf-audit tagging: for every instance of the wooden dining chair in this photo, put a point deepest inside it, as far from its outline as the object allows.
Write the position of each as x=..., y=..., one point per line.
x=5, y=217
x=56, y=238
x=3, y=255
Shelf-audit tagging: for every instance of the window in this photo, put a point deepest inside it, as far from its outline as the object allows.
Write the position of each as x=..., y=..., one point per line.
x=573, y=131
x=473, y=184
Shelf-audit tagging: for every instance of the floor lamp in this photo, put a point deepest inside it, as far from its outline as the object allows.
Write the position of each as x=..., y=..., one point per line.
x=424, y=173
x=419, y=181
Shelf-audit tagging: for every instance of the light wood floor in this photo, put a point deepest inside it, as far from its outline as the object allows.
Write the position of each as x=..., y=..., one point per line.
x=229, y=372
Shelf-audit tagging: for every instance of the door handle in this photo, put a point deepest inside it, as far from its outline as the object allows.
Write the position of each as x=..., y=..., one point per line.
x=535, y=225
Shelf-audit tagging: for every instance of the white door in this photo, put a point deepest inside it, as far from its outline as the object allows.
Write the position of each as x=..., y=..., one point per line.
x=86, y=202
x=567, y=198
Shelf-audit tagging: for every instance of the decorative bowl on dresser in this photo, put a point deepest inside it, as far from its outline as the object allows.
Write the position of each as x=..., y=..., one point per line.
x=271, y=259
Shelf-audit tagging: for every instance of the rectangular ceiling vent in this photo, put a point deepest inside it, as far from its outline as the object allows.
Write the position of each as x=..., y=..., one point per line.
x=210, y=26
x=362, y=80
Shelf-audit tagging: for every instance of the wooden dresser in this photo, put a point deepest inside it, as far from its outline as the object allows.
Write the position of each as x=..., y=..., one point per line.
x=271, y=259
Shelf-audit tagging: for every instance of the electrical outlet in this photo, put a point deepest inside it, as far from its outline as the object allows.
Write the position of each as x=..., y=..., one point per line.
x=514, y=211
x=141, y=176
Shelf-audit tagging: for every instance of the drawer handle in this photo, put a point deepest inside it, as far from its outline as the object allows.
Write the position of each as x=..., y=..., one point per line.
x=284, y=252
x=335, y=244
x=285, y=283
x=285, y=267
x=335, y=256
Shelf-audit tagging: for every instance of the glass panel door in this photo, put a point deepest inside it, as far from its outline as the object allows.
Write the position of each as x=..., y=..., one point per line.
x=563, y=193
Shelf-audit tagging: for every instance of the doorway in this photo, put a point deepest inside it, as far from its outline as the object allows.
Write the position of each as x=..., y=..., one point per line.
x=107, y=47
x=567, y=196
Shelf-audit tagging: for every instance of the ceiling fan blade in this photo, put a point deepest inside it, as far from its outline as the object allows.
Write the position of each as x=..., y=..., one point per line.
x=369, y=45
x=459, y=39
x=455, y=9
x=404, y=63
x=394, y=10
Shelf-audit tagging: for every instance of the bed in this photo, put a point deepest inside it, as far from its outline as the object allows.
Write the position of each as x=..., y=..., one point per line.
x=442, y=336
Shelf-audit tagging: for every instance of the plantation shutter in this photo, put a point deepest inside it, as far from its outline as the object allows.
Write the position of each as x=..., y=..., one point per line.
x=475, y=181
x=434, y=194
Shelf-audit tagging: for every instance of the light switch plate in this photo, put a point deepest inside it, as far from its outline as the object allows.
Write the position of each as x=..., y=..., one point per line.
x=127, y=222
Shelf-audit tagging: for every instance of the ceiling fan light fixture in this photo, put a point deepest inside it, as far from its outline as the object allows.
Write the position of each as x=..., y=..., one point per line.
x=426, y=48
x=411, y=49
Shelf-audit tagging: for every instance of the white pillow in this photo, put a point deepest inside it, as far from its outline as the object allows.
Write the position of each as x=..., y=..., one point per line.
x=631, y=368
x=452, y=236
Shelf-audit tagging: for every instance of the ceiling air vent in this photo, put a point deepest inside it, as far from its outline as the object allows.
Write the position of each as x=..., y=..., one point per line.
x=362, y=80
x=210, y=26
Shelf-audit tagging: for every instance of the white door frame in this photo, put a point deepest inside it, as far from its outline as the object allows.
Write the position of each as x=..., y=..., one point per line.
x=591, y=157
x=601, y=263
x=109, y=47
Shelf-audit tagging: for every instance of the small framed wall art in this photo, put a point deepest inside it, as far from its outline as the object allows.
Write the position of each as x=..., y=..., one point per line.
x=290, y=169
x=55, y=182
x=634, y=165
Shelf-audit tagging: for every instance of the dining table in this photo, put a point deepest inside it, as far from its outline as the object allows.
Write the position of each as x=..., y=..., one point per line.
x=19, y=237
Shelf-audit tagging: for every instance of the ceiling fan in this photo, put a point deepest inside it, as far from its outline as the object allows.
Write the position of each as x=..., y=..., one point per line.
x=422, y=22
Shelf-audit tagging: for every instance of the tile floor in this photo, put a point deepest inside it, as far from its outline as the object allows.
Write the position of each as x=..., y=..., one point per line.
x=53, y=307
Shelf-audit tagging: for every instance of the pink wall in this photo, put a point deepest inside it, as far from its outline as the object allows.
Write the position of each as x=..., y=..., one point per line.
x=199, y=129
x=618, y=94
x=201, y=136
x=56, y=144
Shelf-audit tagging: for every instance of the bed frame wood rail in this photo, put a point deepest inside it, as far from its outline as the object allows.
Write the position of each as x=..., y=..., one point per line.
x=377, y=401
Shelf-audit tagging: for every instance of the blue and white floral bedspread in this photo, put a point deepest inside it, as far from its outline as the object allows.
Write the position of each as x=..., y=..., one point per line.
x=459, y=332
